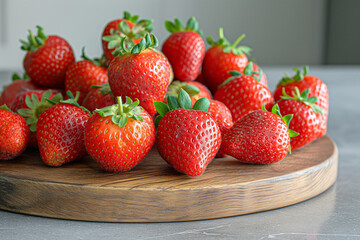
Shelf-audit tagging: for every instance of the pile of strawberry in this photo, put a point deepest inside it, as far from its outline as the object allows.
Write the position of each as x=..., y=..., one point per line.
x=195, y=103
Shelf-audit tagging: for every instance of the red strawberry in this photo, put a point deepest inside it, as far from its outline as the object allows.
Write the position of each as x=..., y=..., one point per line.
x=128, y=27
x=99, y=96
x=14, y=134
x=316, y=88
x=119, y=137
x=140, y=72
x=47, y=59
x=81, y=75
x=60, y=132
x=222, y=115
x=187, y=137
x=30, y=104
x=243, y=94
x=221, y=58
x=259, y=137
x=196, y=90
x=184, y=48
x=18, y=84
x=307, y=119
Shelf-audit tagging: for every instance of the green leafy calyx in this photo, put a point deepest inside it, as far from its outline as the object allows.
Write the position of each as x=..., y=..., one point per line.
x=5, y=107
x=122, y=111
x=35, y=107
x=177, y=26
x=296, y=78
x=248, y=71
x=182, y=101
x=129, y=17
x=145, y=24
x=149, y=41
x=16, y=76
x=103, y=88
x=34, y=42
x=304, y=98
x=228, y=47
x=139, y=30
x=276, y=110
x=73, y=100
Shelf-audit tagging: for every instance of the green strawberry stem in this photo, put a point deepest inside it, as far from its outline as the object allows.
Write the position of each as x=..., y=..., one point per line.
x=123, y=119
x=228, y=47
x=276, y=110
x=296, y=78
x=122, y=111
x=238, y=40
x=304, y=98
x=34, y=42
x=182, y=101
x=221, y=33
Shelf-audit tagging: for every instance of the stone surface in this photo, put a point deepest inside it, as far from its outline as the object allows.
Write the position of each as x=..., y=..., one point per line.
x=334, y=214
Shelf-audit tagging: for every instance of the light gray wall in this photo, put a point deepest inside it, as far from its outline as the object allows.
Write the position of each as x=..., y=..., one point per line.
x=281, y=32
x=344, y=32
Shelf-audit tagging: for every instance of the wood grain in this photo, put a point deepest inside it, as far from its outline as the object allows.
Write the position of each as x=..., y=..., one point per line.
x=154, y=192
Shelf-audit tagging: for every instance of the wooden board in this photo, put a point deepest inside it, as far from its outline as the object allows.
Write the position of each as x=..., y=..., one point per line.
x=154, y=192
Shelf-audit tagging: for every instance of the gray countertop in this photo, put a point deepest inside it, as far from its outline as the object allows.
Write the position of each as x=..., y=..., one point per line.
x=334, y=214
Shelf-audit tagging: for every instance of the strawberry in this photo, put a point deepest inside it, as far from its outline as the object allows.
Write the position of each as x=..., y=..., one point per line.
x=187, y=137
x=243, y=94
x=260, y=137
x=81, y=75
x=14, y=134
x=140, y=72
x=18, y=84
x=184, y=48
x=221, y=58
x=60, y=132
x=99, y=96
x=307, y=116
x=30, y=104
x=316, y=88
x=128, y=27
x=47, y=59
x=196, y=90
x=119, y=137
x=222, y=115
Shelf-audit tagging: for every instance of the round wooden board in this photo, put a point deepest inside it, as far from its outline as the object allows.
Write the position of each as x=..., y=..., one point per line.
x=154, y=192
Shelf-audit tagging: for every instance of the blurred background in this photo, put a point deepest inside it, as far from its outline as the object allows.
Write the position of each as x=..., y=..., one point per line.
x=280, y=32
